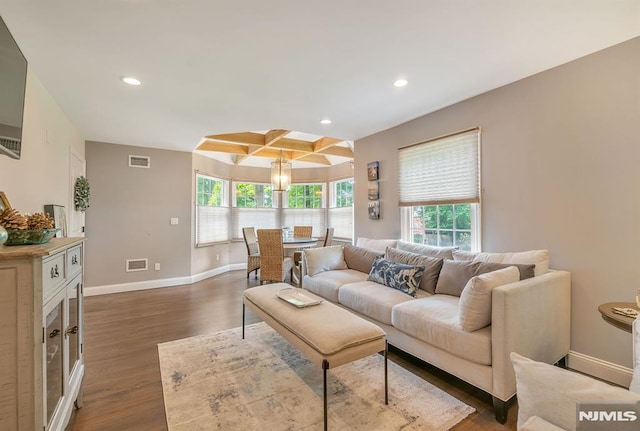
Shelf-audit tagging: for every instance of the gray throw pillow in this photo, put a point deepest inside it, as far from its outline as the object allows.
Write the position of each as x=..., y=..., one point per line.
x=432, y=266
x=455, y=274
x=405, y=278
x=360, y=259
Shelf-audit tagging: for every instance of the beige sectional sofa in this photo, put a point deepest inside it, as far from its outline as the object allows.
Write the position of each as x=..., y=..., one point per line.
x=529, y=316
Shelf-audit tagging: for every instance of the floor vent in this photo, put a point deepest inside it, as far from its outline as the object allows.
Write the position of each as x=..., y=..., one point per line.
x=137, y=265
x=139, y=161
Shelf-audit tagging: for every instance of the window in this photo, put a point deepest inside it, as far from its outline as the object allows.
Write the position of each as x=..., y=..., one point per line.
x=341, y=208
x=252, y=206
x=212, y=210
x=304, y=206
x=440, y=191
x=443, y=225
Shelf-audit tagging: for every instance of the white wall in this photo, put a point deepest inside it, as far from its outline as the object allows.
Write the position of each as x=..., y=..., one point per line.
x=41, y=176
x=560, y=158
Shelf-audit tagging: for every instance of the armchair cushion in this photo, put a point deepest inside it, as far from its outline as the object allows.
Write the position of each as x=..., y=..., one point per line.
x=552, y=393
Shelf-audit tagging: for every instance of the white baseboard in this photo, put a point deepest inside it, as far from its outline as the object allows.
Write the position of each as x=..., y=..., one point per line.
x=604, y=370
x=165, y=282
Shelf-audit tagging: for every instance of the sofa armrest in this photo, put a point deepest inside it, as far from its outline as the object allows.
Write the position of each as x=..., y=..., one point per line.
x=531, y=317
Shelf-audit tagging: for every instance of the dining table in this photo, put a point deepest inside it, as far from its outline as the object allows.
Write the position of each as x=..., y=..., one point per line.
x=299, y=242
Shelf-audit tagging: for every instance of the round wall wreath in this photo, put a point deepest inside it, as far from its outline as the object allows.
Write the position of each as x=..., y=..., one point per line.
x=81, y=194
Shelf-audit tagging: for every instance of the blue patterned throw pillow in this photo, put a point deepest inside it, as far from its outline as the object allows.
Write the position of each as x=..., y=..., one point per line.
x=405, y=278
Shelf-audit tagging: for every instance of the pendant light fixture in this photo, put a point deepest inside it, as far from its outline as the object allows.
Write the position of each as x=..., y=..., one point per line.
x=280, y=174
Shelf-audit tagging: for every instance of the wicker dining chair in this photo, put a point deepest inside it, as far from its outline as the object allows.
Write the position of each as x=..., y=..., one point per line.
x=253, y=252
x=301, y=232
x=274, y=266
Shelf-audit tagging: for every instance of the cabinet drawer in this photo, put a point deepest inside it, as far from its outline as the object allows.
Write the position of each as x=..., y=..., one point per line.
x=74, y=261
x=53, y=273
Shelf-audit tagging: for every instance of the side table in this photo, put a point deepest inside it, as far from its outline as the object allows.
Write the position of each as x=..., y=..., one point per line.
x=617, y=320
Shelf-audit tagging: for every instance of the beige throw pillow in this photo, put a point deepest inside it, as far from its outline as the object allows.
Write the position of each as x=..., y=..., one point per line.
x=474, y=309
x=324, y=259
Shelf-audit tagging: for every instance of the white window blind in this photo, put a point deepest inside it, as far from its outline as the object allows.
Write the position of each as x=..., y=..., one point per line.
x=341, y=220
x=441, y=171
x=315, y=217
x=212, y=224
x=260, y=218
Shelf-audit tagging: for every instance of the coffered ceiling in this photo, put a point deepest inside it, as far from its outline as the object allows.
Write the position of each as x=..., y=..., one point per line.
x=219, y=67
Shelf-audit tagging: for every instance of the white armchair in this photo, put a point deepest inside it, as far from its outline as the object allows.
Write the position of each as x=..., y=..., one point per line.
x=548, y=395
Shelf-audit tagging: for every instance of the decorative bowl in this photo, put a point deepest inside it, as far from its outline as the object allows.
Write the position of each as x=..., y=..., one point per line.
x=25, y=237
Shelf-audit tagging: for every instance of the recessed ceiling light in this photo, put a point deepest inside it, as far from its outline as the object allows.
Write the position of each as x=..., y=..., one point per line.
x=400, y=83
x=325, y=121
x=131, y=81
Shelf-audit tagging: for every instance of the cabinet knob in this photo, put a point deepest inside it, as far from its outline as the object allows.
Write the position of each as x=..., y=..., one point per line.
x=54, y=333
x=54, y=272
x=72, y=330
x=74, y=260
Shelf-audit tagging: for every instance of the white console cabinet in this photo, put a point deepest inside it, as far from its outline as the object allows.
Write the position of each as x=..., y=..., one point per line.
x=41, y=345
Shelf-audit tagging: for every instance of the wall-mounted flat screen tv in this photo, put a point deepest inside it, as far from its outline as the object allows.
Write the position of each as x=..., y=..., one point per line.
x=13, y=79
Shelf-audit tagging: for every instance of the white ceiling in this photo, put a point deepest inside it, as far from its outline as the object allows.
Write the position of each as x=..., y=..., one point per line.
x=211, y=66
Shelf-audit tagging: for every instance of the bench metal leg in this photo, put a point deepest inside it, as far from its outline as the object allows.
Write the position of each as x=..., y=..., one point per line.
x=325, y=367
x=243, y=320
x=386, y=386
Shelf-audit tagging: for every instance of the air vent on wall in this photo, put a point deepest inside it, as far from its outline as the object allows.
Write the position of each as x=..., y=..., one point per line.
x=10, y=147
x=139, y=161
x=137, y=265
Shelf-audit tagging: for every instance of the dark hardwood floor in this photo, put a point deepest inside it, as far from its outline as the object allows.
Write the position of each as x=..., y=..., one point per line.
x=122, y=388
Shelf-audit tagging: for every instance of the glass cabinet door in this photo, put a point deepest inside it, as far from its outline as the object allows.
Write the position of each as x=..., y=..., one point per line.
x=54, y=342
x=73, y=329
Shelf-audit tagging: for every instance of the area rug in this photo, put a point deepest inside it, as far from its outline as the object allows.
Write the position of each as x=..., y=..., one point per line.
x=222, y=382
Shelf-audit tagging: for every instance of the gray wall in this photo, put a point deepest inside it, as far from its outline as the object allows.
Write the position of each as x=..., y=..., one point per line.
x=560, y=158
x=130, y=212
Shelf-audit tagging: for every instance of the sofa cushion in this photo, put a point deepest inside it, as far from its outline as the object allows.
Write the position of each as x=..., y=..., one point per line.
x=455, y=274
x=400, y=276
x=464, y=255
x=552, y=393
x=475, y=301
x=426, y=250
x=360, y=259
x=378, y=245
x=539, y=258
x=432, y=266
x=372, y=299
x=327, y=284
x=434, y=320
x=324, y=259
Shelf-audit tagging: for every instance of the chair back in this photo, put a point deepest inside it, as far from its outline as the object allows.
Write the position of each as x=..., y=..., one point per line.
x=271, y=254
x=328, y=238
x=303, y=231
x=250, y=240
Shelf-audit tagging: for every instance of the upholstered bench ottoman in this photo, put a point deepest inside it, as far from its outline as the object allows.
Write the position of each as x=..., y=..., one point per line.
x=326, y=334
